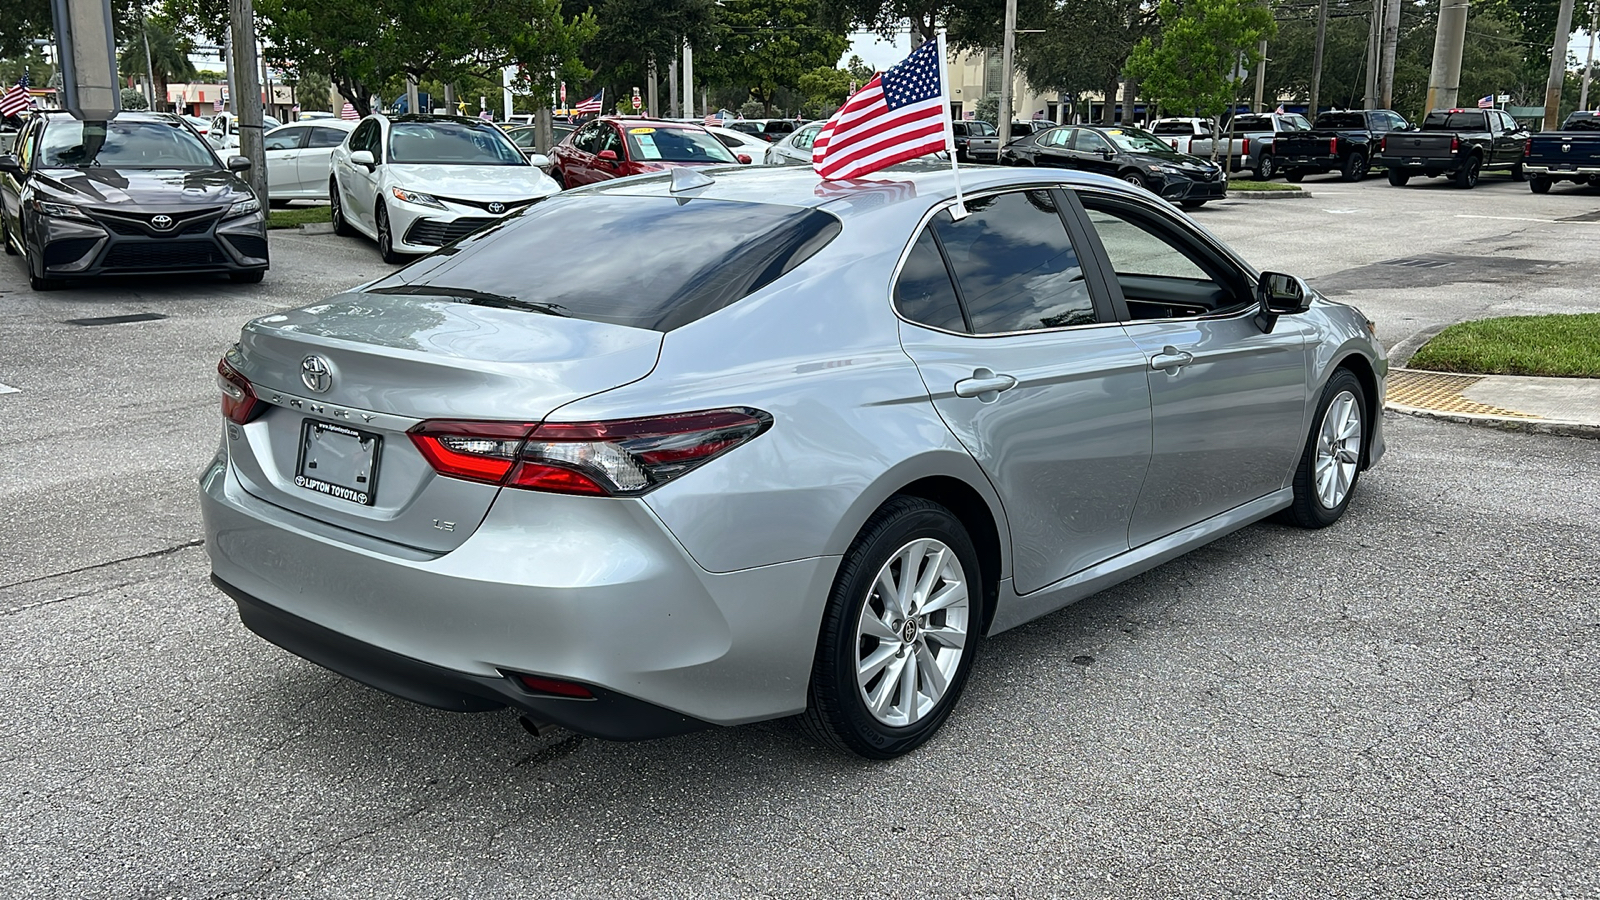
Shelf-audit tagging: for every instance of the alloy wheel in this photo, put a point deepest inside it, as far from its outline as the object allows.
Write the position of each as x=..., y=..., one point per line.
x=1338, y=450
x=912, y=632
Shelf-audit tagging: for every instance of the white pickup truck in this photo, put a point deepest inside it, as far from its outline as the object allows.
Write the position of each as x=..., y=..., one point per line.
x=1250, y=137
x=1181, y=131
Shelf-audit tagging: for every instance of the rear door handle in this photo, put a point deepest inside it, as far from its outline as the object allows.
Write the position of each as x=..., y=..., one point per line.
x=984, y=385
x=1171, y=359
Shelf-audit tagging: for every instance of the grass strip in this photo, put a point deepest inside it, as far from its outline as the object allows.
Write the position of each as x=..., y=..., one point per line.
x=295, y=216
x=1561, y=346
x=1244, y=184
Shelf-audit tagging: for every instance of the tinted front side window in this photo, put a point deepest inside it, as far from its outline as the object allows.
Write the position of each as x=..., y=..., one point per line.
x=683, y=260
x=1015, y=264
x=1087, y=141
x=923, y=292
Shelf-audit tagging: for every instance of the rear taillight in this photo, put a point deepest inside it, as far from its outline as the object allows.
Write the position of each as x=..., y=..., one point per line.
x=1333, y=146
x=1527, y=147
x=620, y=458
x=239, y=402
x=1383, y=145
x=1246, y=150
x=1455, y=143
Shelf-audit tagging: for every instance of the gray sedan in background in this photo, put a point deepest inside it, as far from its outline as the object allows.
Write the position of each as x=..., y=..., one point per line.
x=797, y=457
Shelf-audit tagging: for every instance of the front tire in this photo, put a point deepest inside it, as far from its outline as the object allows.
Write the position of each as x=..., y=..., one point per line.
x=1467, y=178
x=1399, y=178
x=386, y=236
x=1540, y=184
x=1135, y=179
x=1330, y=465
x=341, y=225
x=900, y=632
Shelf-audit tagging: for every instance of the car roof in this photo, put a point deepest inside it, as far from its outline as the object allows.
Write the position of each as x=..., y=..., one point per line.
x=647, y=122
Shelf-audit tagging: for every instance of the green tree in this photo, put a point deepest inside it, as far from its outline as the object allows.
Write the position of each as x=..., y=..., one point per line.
x=134, y=100
x=1203, y=46
x=169, y=54
x=312, y=90
x=765, y=45
x=825, y=89
x=888, y=17
x=633, y=33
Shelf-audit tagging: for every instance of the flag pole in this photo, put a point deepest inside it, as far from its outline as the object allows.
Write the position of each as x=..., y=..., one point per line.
x=960, y=210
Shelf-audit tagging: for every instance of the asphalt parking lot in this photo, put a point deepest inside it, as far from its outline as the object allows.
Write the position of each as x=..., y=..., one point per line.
x=1405, y=705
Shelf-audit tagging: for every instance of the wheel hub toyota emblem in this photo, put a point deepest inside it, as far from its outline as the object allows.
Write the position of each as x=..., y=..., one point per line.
x=315, y=373
x=497, y=208
x=161, y=223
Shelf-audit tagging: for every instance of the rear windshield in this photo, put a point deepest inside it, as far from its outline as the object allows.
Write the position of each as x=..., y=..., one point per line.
x=1173, y=128
x=645, y=262
x=1461, y=121
x=1341, y=120
x=1581, y=121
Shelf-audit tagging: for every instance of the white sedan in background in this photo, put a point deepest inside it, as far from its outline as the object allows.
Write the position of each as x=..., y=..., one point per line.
x=748, y=148
x=414, y=183
x=300, y=158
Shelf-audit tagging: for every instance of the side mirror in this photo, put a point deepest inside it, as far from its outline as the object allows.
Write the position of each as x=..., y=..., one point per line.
x=1107, y=152
x=744, y=159
x=539, y=160
x=10, y=165
x=608, y=155
x=238, y=164
x=1277, y=295
x=364, y=158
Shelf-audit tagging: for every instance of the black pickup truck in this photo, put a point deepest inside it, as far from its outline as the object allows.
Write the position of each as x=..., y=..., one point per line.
x=1460, y=143
x=1339, y=141
x=1571, y=154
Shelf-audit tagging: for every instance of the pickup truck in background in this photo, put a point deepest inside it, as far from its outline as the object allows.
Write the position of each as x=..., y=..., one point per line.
x=1459, y=143
x=1571, y=154
x=1343, y=141
x=967, y=129
x=1180, y=132
x=985, y=148
x=1250, y=140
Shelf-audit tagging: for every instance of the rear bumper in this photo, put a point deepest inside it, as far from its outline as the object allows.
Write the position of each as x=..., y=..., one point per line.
x=1322, y=163
x=1559, y=171
x=573, y=588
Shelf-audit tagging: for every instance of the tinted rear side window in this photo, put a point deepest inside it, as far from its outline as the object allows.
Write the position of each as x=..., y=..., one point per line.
x=646, y=262
x=1341, y=120
x=923, y=292
x=1015, y=264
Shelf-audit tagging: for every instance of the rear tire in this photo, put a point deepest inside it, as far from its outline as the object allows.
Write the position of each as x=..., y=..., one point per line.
x=1355, y=167
x=1330, y=465
x=1294, y=176
x=1467, y=177
x=1539, y=184
x=1399, y=178
x=873, y=692
x=1266, y=168
x=341, y=226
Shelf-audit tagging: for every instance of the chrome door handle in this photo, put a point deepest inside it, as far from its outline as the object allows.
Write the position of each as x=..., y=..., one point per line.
x=1171, y=359
x=984, y=382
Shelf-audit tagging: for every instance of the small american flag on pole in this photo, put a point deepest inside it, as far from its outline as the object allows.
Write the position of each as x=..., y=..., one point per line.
x=591, y=105
x=900, y=114
x=15, y=101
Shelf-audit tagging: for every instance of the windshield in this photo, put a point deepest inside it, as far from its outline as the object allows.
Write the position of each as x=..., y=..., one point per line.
x=648, y=144
x=451, y=144
x=686, y=259
x=1132, y=140
x=123, y=144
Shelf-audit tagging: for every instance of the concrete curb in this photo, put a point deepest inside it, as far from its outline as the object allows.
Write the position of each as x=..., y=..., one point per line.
x=317, y=228
x=1501, y=423
x=1402, y=351
x=1301, y=194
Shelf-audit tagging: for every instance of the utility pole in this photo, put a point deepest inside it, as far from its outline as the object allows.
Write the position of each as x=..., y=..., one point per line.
x=688, y=80
x=411, y=94
x=1374, y=32
x=1261, y=75
x=1558, y=66
x=650, y=92
x=1444, y=81
x=1594, y=25
x=1316, y=59
x=1008, y=48
x=672, y=90
x=247, y=94
x=1391, y=39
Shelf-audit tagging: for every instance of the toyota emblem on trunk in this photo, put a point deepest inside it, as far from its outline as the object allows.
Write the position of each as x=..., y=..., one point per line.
x=497, y=208
x=161, y=223
x=315, y=373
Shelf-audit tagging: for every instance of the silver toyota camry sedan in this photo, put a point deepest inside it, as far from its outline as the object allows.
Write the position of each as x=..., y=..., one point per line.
x=706, y=449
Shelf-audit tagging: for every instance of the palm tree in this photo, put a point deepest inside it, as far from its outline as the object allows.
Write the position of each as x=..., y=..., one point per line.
x=169, y=55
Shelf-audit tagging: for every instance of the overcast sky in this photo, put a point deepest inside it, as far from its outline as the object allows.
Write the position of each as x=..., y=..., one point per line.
x=877, y=52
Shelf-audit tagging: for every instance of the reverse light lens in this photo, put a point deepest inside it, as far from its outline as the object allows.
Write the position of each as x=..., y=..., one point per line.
x=239, y=402
x=620, y=458
x=416, y=197
x=58, y=210
x=244, y=207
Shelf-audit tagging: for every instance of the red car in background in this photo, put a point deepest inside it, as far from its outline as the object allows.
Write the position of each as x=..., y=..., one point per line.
x=618, y=146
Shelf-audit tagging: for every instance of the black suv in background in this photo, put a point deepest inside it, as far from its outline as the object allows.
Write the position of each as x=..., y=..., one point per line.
x=140, y=194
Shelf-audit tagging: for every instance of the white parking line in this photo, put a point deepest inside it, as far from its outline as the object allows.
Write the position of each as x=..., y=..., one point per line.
x=8, y=389
x=1524, y=219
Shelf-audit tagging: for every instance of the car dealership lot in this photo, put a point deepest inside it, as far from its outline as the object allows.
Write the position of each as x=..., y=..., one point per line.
x=1405, y=703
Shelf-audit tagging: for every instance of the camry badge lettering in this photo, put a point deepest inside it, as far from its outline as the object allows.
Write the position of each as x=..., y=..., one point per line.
x=161, y=223
x=316, y=375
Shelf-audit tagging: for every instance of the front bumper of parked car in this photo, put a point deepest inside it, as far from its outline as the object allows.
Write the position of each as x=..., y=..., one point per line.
x=117, y=241
x=588, y=591
x=1176, y=185
x=424, y=228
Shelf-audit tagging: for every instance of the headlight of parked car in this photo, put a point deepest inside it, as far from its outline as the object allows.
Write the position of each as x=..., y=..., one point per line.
x=417, y=197
x=58, y=210
x=243, y=207
x=1156, y=168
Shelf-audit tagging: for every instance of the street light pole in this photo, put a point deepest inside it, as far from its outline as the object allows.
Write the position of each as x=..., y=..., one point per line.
x=1316, y=58
x=246, y=98
x=688, y=80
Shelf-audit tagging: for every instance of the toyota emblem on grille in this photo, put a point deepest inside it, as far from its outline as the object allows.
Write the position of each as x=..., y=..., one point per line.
x=315, y=373
x=497, y=208
x=161, y=223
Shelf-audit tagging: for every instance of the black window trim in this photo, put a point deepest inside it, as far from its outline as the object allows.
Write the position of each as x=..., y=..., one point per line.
x=1218, y=255
x=1105, y=309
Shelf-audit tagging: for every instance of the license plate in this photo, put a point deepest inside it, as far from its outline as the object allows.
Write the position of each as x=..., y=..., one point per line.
x=339, y=462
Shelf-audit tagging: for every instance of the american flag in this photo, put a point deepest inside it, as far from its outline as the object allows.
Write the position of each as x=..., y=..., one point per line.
x=899, y=115
x=591, y=105
x=1486, y=102
x=15, y=101
x=349, y=113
